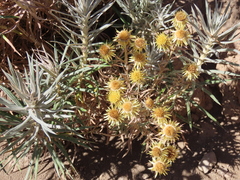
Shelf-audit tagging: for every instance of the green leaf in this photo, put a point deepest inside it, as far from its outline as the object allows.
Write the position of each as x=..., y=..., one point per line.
x=5, y=17
x=11, y=96
x=190, y=123
x=213, y=71
x=205, y=112
x=211, y=95
x=58, y=164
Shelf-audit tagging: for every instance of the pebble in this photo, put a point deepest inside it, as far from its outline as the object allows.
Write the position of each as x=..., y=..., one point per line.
x=207, y=162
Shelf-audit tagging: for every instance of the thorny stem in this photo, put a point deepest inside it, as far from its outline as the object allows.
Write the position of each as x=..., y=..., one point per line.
x=204, y=54
x=85, y=41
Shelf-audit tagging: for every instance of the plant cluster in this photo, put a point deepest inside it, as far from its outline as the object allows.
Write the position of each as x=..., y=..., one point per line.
x=130, y=85
x=136, y=109
x=144, y=82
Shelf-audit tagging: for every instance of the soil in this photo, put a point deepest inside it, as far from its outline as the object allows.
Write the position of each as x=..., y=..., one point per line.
x=106, y=162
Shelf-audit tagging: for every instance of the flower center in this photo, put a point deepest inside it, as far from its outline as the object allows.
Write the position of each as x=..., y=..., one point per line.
x=180, y=34
x=159, y=112
x=181, y=16
x=127, y=106
x=169, y=131
x=140, y=42
x=139, y=57
x=136, y=76
x=124, y=35
x=113, y=113
x=104, y=49
x=115, y=85
x=192, y=68
x=114, y=96
x=171, y=154
x=156, y=151
x=161, y=39
x=159, y=167
x=149, y=103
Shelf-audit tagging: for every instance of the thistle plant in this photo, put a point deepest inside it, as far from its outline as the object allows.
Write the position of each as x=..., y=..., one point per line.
x=135, y=110
x=144, y=84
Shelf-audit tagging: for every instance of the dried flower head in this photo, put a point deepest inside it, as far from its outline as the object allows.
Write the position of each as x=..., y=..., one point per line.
x=159, y=166
x=107, y=51
x=180, y=20
x=113, y=116
x=137, y=76
x=149, y=103
x=161, y=114
x=158, y=150
x=172, y=153
x=114, y=97
x=139, y=59
x=123, y=37
x=115, y=85
x=170, y=131
x=129, y=107
x=139, y=44
x=162, y=42
x=181, y=37
x=191, y=72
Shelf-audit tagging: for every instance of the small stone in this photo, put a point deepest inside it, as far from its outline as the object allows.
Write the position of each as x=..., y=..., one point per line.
x=181, y=144
x=207, y=162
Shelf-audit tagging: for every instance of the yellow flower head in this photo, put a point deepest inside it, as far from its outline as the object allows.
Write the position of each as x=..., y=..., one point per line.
x=158, y=150
x=172, y=153
x=130, y=108
x=107, y=51
x=159, y=166
x=170, y=131
x=191, y=72
x=181, y=37
x=115, y=85
x=161, y=114
x=139, y=44
x=149, y=103
x=180, y=20
x=113, y=116
x=139, y=59
x=137, y=76
x=162, y=42
x=123, y=37
x=114, y=97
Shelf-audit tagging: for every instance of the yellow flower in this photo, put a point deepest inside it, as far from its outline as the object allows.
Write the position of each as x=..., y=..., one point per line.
x=123, y=37
x=159, y=166
x=191, y=72
x=139, y=44
x=172, y=153
x=107, y=51
x=180, y=20
x=137, y=76
x=113, y=116
x=158, y=150
x=162, y=42
x=161, y=114
x=149, y=103
x=170, y=131
x=114, y=97
x=139, y=59
x=115, y=85
x=181, y=37
x=130, y=108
